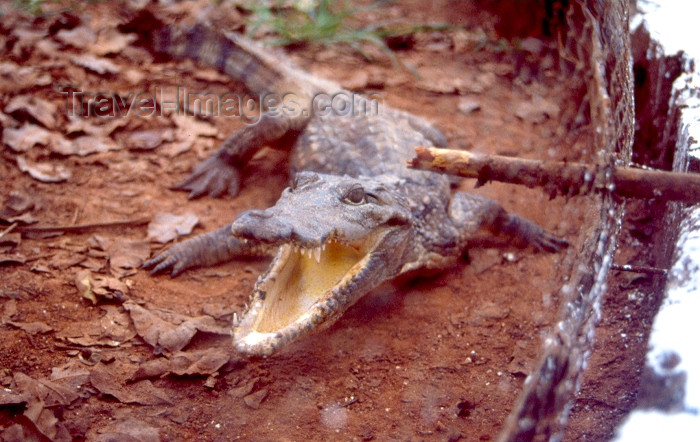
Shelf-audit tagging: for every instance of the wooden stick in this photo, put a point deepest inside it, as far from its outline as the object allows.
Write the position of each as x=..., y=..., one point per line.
x=8, y=230
x=560, y=177
x=83, y=227
x=638, y=269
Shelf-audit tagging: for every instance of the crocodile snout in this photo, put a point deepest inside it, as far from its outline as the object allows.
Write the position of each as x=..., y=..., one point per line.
x=261, y=225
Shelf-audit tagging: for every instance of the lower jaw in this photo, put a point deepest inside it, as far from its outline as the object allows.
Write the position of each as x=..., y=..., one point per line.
x=274, y=320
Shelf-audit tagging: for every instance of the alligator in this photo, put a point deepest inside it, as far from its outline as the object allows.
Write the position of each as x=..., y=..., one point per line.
x=354, y=215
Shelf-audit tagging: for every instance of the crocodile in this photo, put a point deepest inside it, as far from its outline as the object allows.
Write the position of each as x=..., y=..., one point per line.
x=354, y=215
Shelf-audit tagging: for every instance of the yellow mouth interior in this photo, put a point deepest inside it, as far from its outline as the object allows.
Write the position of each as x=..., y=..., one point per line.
x=302, y=281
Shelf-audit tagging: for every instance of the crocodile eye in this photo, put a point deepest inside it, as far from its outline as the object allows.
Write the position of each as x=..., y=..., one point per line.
x=355, y=196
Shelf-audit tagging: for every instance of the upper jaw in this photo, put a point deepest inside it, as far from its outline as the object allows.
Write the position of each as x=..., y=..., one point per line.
x=315, y=249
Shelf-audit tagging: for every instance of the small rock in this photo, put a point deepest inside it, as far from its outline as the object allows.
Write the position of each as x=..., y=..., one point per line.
x=537, y=110
x=243, y=389
x=358, y=80
x=253, y=400
x=468, y=105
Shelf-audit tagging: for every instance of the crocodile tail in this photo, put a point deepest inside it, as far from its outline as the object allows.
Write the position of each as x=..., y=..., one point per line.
x=260, y=70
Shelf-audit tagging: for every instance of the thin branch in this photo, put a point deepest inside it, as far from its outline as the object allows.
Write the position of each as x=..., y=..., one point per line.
x=560, y=177
x=639, y=269
x=83, y=227
x=8, y=230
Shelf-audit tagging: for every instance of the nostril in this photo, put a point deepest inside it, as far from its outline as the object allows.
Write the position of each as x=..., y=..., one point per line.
x=262, y=225
x=259, y=214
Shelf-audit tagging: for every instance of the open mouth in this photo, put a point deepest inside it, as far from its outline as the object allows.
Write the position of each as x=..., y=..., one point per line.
x=304, y=290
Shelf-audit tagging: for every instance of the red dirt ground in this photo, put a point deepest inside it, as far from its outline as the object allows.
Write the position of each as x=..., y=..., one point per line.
x=435, y=359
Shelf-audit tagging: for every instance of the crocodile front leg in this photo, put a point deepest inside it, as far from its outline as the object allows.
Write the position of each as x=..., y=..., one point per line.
x=203, y=251
x=470, y=213
x=221, y=173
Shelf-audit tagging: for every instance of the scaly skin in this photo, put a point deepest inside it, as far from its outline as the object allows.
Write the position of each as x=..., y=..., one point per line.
x=355, y=216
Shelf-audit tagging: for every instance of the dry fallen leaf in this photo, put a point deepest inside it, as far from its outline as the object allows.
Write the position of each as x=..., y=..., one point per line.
x=42, y=396
x=149, y=139
x=7, y=121
x=442, y=86
x=27, y=38
x=7, y=397
x=41, y=110
x=78, y=124
x=94, y=264
x=92, y=287
x=189, y=126
x=219, y=310
x=20, y=428
x=10, y=240
x=9, y=309
x=161, y=334
x=72, y=374
x=25, y=218
x=128, y=429
x=33, y=328
x=51, y=393
x=111, y=41
x=113, y=329
x=84, y=145
x=65, y=259
x=14, y=77
x=479, y=83
x=202, y=362
x=171, y=150
x=166, y=227
x=79, y=37
x=16, y=208
x=44, y=172
x=17, y=203
x=142, y=392
x=96, y=64
x=116, y=324
x=125, y=256
x=25, y=137
x=211, y=76
x=12, y=258
x=29, y=135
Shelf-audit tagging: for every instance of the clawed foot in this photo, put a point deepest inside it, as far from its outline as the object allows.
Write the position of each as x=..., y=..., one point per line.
x=212, y=177
x=549, y=243
x=177, y=259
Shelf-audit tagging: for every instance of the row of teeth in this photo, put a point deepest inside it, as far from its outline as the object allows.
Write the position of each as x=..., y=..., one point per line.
x=315, y=252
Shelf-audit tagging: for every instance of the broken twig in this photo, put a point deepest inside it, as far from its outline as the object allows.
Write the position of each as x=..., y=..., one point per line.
x=560, y=177
x=639, y=269
x=8, y=230
x=82, y=227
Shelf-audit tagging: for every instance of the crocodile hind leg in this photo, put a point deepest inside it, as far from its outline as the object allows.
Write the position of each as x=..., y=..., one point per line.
x=204, y=250
x=471, y=213
x=221, y=173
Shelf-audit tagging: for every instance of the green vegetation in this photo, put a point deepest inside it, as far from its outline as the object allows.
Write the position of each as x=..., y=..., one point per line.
x=35, y=6
x=309, y=21
x=326, y=22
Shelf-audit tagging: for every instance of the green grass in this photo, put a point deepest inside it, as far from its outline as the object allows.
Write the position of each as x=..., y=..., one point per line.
x=311, y=21
x=35, y=6
x=326, y=22
x=32, y=6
